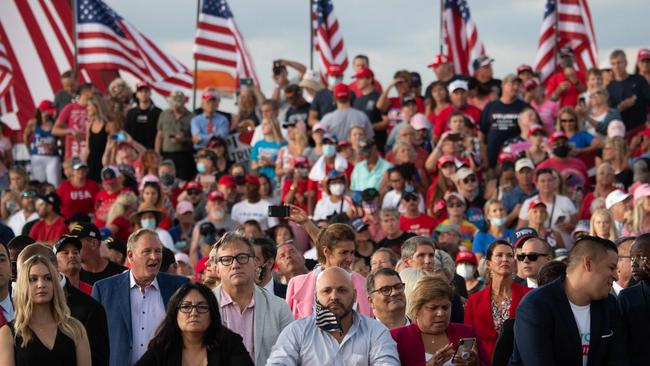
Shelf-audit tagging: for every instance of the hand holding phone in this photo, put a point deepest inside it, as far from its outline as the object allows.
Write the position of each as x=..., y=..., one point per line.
x=279, y=211
x=465, y=351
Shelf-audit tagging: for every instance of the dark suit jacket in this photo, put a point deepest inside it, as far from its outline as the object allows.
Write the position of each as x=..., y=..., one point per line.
x=114, y=294
x=231, y=351
x=411, y=348
x=478, y=312
x=546, y=333
x=635, y=314
x=92, y=315
x=279, y=289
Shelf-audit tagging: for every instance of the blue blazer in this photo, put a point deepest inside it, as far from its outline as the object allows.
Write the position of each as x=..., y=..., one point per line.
x=635, y=312
x=113, y=294
x=546, y=333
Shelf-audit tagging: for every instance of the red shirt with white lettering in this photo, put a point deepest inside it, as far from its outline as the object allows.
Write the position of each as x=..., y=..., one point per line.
x=103, y=202
x=74, y=116
x=77, y=199
x=49, y=233
x=421, y=225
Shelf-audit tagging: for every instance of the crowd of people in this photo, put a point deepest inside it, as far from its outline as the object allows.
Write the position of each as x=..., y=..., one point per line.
x=477, y=221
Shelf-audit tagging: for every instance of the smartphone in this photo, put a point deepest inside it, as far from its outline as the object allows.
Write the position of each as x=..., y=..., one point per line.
x=455, y=136
x=560, y=219
x=278, y=211
x=277, y=68
x=465, y=345
x=119, y=136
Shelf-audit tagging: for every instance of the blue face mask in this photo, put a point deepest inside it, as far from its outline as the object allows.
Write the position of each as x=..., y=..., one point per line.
x=499, y=221
x=329, y=150
x=200, y=167
x=148, y=223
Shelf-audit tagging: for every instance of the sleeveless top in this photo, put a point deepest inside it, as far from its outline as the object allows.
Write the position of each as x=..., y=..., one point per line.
x=36, y=353
x=96, y=145
x=43, y=142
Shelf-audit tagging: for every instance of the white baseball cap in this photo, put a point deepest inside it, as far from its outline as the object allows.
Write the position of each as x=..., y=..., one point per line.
x=524, y=163
x=614, y=197
x=457, y=84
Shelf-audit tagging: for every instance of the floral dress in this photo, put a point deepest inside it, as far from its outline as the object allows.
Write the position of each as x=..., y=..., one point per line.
x=500, y=312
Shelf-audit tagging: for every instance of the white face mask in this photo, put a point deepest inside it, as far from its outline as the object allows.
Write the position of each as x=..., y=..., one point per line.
x=333, y=80
x=337, y=189
x=148, y=223
x=465, y=270
x=217, y=214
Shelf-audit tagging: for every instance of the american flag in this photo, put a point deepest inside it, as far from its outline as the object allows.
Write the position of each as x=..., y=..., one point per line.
x=219, y=42
x=106, y=41
x=7, y=104
x=575, y=30
x=461, y=36
x=38, y=45
x=328, y=38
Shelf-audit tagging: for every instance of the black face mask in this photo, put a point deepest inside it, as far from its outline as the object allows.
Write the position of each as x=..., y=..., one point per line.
x=561, y=151
x=167, y=179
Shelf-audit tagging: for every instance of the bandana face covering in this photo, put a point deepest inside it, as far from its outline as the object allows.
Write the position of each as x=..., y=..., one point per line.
x=326, y=320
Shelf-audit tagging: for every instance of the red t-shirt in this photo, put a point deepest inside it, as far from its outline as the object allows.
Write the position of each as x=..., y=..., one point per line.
x=396, y=103
x=300, y=196
x=355, y=89
x=316, y=186
x=440, y=124
x=41, y=231
x=77, y=200
x=421, y=225
x=103, y=202
x=569, y=97
x=123, y=228
x=75, y=117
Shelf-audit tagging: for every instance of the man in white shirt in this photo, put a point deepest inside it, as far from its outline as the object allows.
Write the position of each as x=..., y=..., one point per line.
x=387, y=298
x=334, y=334
x=26, y=214
x=253, y=207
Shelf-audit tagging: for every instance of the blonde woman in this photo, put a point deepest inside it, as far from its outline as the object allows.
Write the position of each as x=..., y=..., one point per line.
x=297, y=144
x=615, y=152
x=265, y=152
x=602, y=225
x=117, y=218
x=43, y=332
x=641, y=215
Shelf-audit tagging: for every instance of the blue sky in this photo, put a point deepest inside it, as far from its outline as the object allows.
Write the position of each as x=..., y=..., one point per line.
x=395, y=34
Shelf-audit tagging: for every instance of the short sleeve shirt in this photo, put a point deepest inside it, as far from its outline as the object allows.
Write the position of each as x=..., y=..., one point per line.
x=169, y=125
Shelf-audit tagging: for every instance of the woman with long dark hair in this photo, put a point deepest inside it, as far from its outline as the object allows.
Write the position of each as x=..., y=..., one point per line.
x=192, y=333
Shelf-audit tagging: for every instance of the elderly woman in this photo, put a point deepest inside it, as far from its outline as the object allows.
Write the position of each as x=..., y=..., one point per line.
x=192, y=334
x=489, y=308
x=335, y=245
x=431, y=339
x=602, y=225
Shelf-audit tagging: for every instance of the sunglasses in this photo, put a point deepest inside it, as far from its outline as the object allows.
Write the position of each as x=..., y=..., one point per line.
x=532, y=256
x=193, y=192
x=410, y=198
x=567, y=120
x=470, y=179
x=29, y=194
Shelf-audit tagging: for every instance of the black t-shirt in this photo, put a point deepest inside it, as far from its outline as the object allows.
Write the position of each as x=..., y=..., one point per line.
x=487, y=87
x=111, y=269
x=499, y=123
x=298, y=114
x=142, y=125
x=368, y=104
x=634, y=116
x=324, y=103
x=395, y=244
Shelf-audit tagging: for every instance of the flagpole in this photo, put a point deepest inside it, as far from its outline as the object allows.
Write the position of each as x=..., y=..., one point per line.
x=74, y=35
x=311, y=37
x=196, y=61
x=556, y=34
x=442, y=9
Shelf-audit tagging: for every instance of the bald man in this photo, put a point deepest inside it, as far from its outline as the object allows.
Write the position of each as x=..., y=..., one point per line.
x=309, y=341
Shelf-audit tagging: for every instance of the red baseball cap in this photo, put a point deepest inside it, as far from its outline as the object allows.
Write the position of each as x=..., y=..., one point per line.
x=536, y=202
x=557, y=135
x=335, y=70
x=194, y=185
x=505, y=156
x=208, y=95
x=253, y=180
x=536, y=128
x=201, y=265
x=47, y=106
x=643, y=54
x=446, y=159
x=365, y=73
x=227, y=180
x=523, y=68
x=216, y=195
x=341, y=91
x=466, y=256
x=438, y=60
x=142, y=84
x=530, y=84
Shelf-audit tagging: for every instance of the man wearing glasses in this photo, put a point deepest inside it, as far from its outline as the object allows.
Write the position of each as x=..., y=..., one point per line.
x=624, y=266
x=635, y=303
x=28, y=212
x=387, y=298
x=255, y=314
x=534, y=253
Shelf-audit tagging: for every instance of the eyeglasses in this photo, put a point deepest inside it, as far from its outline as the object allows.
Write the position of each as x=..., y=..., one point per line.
x=532, y=256
x=387, y=290
x=227, y=260
x=624, y=257
x=29, y=194
x=186, y=307
x=193, y=192
x=470, y=179
x=410, y=198
x=538, y=134
x=567, y=120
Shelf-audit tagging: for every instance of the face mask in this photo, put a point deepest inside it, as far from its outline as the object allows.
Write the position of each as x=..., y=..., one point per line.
x=148, y=223
x=465, y=270
x=167, y=179
x=218, y=214
x=337, y=189
x=561, y=151
x=326, y=319
x=333, y=80
x=329, y=150
x=499, y=221
x=200, y=167
x=474, y=194
x=12, y=207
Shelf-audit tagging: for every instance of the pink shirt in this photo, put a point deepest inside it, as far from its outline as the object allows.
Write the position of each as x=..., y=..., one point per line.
x=239, y=322
x=547, y=111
